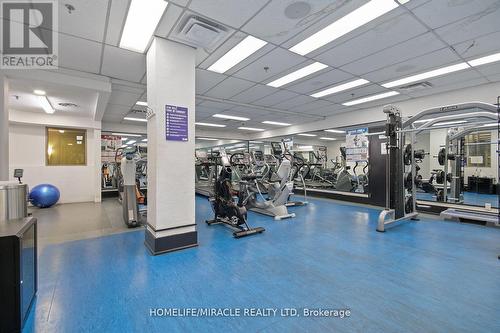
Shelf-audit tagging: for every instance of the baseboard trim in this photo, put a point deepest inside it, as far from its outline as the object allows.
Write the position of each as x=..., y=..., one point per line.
x=170, y=243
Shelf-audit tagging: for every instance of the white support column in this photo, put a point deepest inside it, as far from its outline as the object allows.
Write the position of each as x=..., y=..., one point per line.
x=171, y=221
x=4, y=128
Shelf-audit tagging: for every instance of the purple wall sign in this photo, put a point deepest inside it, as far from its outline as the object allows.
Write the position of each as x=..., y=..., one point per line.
x=176, y=123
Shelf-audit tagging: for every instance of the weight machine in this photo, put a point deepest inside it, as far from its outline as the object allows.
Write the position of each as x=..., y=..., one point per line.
x=401, y=202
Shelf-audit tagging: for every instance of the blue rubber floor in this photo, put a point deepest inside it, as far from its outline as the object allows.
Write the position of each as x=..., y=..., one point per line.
x=470, y=198
x=427, y=276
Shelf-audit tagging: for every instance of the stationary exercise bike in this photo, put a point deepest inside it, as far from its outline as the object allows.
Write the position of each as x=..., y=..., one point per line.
x=226, y=211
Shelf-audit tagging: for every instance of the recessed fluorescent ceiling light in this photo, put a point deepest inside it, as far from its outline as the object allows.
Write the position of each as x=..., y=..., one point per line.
x=226, y=116
x=207, y=139
x=237, y=54
x=39, y=92
x=210, y=125
x=490, y=125
x=334, y=131
x=341, y=87
x=144, y=140
x=141, y=103
x=298, y=74
x=305, y=147
x=344, y=25
x=131, y=142
x=306, y=134
x=126, y=134
x=276, y=123
x=427, y=75
x=136, y=119
x=450, y=123
x=46, y=106
x=371, y=98
x=325, y=138
x=142, y=19
x=251, y=129
x=485, y=60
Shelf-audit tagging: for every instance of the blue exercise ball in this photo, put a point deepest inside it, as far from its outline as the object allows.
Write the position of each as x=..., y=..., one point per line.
x=44, y=195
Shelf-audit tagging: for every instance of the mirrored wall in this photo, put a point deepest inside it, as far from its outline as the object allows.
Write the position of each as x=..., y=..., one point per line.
x=466, y=174
x=327, y=161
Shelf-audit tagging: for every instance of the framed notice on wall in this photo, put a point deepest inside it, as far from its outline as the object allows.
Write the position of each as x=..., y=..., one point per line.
x=357, y=145
x=176, y=123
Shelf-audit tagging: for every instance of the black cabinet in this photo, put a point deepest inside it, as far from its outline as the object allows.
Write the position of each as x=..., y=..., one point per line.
x=18, y=267
x=481, y=185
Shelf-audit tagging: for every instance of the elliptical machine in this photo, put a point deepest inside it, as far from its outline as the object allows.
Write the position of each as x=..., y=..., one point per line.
x=280, y=189
x=344, y=179
x=226, y=211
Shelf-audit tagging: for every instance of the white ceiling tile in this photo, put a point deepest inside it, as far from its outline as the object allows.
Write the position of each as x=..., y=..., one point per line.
x=182, y=3
x=489, y=69
x=360, y=92
x=123, y=64
x=439, y=13
x=256, y=92
x=415, y=3
x=387, y=34
x=116, y=20
x=478, y=47
x=227, y=45
x=277, y=61
x=110, y=118
x=128, y=88
x=473, y=26
x=206, y=80
x=412, y=48
x=494, y=78
x=328, y=15
x=380, y=25
x=217, y=106
x=120, y=97
x=275, y=98
x=293, y=102
x=116, y=110
x=87, y=20
x=417, y=65
x=168, y=20
x=450, y=82
x=228, y=88
x=318, y=82
x=79, y=54
x=230, y=12
x=272, y=25
x=317, y=104
x=330, y=110
x=378, y=103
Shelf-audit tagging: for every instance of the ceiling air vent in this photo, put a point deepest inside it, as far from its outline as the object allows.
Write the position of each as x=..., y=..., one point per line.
x=199, y=32
x=416, y=86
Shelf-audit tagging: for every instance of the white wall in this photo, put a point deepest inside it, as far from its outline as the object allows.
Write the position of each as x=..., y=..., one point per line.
x=27, y=151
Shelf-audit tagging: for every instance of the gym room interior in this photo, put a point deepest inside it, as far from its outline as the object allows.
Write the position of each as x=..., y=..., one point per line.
x=249, y=166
